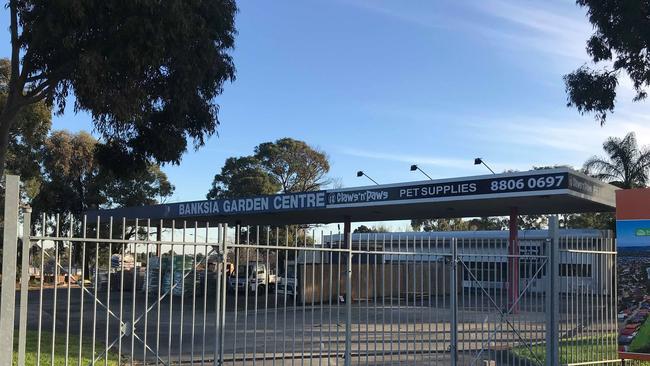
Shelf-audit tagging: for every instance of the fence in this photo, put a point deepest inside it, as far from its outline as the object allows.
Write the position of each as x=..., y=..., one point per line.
x=113, y=291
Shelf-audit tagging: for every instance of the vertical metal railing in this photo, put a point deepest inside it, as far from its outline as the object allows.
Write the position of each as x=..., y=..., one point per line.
x=348, y=297
x=292, y=295
x=453, y=302
x=9, y=255
x=553, y=294
x=24, y=285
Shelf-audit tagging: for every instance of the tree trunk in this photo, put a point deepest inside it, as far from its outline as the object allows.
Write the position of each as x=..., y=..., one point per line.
x=6, y=121
x=16, y=85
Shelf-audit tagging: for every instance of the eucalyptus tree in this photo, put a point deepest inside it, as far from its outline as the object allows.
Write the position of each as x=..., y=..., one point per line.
x=618, y=48
x=148, y=71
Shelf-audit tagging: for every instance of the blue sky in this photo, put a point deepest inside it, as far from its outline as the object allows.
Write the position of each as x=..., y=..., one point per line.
x=379, y=85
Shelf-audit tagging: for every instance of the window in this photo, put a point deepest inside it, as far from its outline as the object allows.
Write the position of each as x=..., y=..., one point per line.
x=486, y=272
x=529, y=267
x=575, y=270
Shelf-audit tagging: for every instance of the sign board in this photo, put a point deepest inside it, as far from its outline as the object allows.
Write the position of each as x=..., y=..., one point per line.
x=642, y=231
x=539, y=183
x=428, y=191
x=633, y=234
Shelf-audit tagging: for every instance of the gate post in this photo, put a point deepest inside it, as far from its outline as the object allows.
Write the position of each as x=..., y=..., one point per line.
x=224, y=283
x=553, y=293
x=217, y=297
x=453, y=294
x=9, y=257
x=24, y=285
x=348, y=294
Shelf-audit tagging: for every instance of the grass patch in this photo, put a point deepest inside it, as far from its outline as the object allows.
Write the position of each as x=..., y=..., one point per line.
x=59, y=350
x=641, y=343
x=584, y=349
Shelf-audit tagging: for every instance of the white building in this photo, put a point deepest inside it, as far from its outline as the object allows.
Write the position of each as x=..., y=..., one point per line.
x=587, y=260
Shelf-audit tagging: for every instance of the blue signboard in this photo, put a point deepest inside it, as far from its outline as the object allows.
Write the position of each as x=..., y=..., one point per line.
x=259, y=204
x=633, y=233
x=524, y=184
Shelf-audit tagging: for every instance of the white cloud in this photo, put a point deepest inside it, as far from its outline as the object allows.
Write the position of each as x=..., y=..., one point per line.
x=558, y=30
x=549, y=133
x=426, y=160
x=558, y=140
x=539, y=27
x=549, y=39
x=422, y=19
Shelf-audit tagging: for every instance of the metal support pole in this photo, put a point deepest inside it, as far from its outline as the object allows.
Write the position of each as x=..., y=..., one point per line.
x=24, y=285
x=224, y=283
x=217, y=296
x=453, y=294
x=553, y=294
x=513, y=261
x=348, y=294
x=9, y=252
x=158, y=239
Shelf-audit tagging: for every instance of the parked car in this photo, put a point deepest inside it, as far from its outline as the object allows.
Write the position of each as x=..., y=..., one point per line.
x=253, y=277
x=287, y=283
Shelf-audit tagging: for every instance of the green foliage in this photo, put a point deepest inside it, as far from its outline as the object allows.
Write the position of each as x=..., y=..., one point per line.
x=147, y=71
x=528, y=222
x=591, y=91
x=591, y=220
x=641, y=342
x=297, y=166
x=626, y=164
x=26, y=137
x=525, y=222
x=69, y=170
x=620, y=39
x=574, y=350
x=74, y=181
x=487, y=223
x=241, y=177
x=60, y=350
x=443, y=224
x=363, y=229
x=148, y=186
x=286, y=165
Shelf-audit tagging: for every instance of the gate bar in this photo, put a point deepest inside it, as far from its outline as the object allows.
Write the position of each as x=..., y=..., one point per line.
x=453, y=293
x=10, y=250
x=24, y=284
x=348, y=294
x=513, y=260
x=553, y=294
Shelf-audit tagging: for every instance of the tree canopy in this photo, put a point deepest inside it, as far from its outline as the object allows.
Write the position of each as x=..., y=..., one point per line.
x=363, y=229
x=26, y=137
x=619, y=45
x=296, y=165
x=73, y=180
x=148, y=72
x=241, y=177
x=286, y=165
x=626, y=164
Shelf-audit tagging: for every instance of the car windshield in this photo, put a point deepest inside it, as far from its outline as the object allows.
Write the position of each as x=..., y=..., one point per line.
x=243, y=270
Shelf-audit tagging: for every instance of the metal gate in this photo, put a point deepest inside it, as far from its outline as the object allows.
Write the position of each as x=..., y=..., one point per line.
x=135, y=292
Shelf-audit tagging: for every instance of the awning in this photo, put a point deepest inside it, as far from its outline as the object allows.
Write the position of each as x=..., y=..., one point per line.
x=549, y=191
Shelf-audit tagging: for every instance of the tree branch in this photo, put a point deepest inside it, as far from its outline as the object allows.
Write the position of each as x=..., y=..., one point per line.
x=38, y=77
x=15, y=46
x=33, y=98
x=38, y=89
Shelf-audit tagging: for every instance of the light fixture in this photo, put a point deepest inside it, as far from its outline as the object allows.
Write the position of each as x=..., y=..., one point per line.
x=414, y=167
x=479, y=161
x=360, y=173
